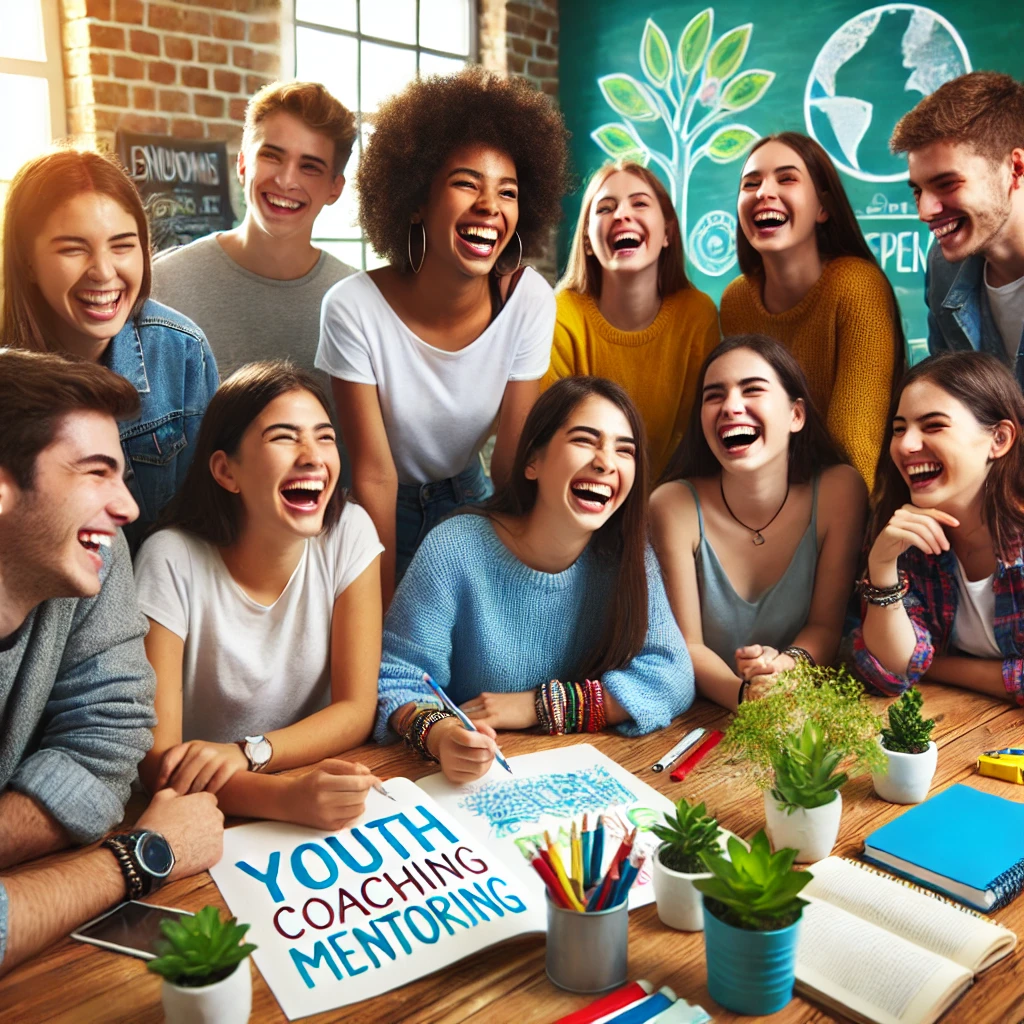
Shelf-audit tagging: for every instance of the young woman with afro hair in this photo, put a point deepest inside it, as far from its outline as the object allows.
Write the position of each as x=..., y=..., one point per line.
x=460, y=182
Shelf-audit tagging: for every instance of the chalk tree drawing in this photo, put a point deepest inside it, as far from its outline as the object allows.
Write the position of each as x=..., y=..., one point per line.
x=690, y=94
x=930, y=49
x=509, y=804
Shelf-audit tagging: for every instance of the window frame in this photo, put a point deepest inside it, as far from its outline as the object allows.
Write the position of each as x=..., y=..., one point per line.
x=290, y=57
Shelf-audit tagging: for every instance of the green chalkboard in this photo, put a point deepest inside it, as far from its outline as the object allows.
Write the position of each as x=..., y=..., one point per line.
x=687, y=89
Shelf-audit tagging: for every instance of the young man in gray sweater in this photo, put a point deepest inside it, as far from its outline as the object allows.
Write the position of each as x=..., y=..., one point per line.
x=76, y=691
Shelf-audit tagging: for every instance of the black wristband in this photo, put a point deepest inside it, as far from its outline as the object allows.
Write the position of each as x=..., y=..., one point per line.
x=742, y=692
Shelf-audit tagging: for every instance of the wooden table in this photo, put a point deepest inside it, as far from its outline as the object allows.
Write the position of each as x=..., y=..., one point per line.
x=80, y=984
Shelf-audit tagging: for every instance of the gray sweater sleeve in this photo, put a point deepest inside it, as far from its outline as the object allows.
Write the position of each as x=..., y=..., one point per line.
x=97, y=723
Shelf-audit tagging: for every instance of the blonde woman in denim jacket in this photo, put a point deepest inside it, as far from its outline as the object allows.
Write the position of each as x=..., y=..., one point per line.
x=77, y=275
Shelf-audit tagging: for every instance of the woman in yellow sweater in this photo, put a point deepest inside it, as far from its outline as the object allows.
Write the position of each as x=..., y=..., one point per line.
x=625, y=308
x=810, y=281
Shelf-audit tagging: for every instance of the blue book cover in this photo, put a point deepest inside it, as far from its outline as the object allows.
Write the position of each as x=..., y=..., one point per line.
x=963, y=841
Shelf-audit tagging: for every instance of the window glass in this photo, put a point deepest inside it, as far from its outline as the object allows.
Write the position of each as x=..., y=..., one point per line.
x=385, y=71
x=330, y=58
x=334, y=13
x=431, y=64
x=21, y=30
x=24, y=120
x=444, y=25
x=393, y=19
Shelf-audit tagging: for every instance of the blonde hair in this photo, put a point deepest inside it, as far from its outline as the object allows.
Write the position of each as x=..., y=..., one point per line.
x=313, y=105
x=583, y=271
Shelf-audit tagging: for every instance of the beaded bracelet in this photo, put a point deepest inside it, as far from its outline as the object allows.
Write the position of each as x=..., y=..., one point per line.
x=597, y=718
x=405, y=720
x=798, y=654
x=419, y=728
x=570, y=707
x=884, y=596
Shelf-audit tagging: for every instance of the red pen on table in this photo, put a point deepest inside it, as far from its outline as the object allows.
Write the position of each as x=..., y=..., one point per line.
x=697, y=756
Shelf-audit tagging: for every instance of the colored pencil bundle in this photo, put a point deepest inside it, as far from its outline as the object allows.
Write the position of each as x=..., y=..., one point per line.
x=583, y=888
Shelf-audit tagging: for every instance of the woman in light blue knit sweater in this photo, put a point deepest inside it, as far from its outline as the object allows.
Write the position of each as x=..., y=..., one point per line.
x=545, y=608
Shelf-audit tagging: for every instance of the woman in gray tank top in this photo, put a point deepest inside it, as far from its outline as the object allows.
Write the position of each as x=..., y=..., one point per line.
x=759, y=523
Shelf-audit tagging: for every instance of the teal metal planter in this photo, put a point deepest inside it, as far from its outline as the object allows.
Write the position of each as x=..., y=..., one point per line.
x=749, y=972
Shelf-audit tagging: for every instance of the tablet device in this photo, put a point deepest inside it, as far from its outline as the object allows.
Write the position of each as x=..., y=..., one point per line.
x=132, y=928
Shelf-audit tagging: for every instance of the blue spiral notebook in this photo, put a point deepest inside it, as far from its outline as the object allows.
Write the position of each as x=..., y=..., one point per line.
x=963, y=842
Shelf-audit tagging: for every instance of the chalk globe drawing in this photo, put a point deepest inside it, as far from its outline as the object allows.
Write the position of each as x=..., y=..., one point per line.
x=862, y=53
x=711, y=247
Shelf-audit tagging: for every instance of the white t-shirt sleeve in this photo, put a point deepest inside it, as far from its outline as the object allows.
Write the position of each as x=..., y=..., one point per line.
x=356, y=546
x=344, y=349
x=535, y=327
x=163, y=580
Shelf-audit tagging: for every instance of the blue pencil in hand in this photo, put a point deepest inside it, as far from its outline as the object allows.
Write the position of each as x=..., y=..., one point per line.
x=463, y=718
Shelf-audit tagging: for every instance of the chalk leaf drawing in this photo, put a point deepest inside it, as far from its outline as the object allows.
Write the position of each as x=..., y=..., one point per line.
x=689, y=95
x=511, y=803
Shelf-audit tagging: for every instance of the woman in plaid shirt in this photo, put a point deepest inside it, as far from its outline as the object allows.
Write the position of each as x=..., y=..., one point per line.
x=944, y=593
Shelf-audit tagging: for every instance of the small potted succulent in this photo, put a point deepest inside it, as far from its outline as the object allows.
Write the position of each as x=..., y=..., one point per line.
x=684, y=836
x=751, y=918
x=802, y=741
x=205, y=967
x=909, y=750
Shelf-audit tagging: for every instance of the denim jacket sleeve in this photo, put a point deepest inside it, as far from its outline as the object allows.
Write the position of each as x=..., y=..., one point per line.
x=201, y=381
x=98, y=720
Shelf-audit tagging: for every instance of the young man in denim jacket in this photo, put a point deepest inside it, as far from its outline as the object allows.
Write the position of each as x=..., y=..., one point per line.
x=76, y=691
x=965, y=149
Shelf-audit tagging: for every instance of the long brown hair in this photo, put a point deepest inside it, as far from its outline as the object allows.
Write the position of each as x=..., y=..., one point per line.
x=41, y=186
x=202, y=507
x=623, y=538
x=839, y=235
x=986, y=387
x=583, y=271
x=811, y=449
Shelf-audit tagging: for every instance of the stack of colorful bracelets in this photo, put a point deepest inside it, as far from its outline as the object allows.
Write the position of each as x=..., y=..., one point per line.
x=417, y=722
x=570, y=707
x=884, y=596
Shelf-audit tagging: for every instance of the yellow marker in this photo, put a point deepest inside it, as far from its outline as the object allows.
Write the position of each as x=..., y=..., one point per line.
x=563, y=881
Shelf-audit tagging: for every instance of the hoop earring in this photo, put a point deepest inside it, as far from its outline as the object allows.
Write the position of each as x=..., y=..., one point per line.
x=423, y=232
x=519, y=262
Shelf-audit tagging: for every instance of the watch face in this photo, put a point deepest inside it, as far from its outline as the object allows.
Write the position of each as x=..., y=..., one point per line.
x=260, y=752
x=154, y=854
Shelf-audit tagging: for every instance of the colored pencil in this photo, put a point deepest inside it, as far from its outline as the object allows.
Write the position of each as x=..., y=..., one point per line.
x=463, y=718
x=697, y=756
x=629, y=873
x=617, y=1000
x=548, y=876
x=611, y=880
x=587, y=841
x=556, y=866
x=597, y=851
x=576, y=853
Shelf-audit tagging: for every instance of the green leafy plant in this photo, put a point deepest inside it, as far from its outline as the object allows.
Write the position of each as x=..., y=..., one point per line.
x=200, y=950
x=830, y=698
x=687, y=834
x=908, y=732
x=754, y=889
x=689, y=91
x=805, y=770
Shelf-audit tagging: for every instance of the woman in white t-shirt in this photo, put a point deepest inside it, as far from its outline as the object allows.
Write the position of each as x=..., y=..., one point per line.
x=461, y=178
x=262, y=588
x=944, y=592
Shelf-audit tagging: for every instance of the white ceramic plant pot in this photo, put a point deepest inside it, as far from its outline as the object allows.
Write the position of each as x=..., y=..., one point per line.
x=680, y=906
x=909, y=777
x=228, y=1001
x=812, y=833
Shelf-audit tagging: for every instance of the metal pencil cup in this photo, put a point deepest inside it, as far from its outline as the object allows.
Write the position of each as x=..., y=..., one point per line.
x=587, y=952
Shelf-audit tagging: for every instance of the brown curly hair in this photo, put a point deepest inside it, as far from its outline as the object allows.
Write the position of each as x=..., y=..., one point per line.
x=417, y=129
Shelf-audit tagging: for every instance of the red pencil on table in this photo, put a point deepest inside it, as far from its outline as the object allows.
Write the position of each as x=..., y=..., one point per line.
x=697, y=756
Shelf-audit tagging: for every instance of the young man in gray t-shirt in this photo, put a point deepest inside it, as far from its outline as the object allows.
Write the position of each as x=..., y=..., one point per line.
x=256, y=290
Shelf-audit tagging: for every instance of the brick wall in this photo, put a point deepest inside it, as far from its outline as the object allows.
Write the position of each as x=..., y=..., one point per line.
x=177, y=68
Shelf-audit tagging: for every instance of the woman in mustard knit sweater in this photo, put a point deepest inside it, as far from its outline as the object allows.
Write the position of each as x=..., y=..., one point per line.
x=810, y=281
x=625, y=308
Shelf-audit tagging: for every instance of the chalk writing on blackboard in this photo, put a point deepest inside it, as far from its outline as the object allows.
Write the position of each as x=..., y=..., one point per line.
x=183, y=184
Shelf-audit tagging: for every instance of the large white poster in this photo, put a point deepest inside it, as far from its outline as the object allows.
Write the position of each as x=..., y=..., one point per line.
x=547, y=791
x=342, y=917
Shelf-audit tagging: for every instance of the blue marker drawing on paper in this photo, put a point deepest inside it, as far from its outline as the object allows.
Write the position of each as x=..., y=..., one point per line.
x=509, y=804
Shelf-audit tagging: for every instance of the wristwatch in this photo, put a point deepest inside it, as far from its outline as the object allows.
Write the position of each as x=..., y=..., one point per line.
x=145, y=859
x=258, y=752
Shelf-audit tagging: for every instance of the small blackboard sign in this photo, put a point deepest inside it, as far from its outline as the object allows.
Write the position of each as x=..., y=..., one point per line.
x=183, y=184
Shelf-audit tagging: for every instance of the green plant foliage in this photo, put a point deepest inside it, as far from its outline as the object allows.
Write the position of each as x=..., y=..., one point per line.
x=754, y=889
x=627, y=96
x=728, y=53
x=908, y=732
x=805, y=770
x=693, y=43
x=655, y=55
x=746, y=89
x=200, y=950
x=831, y=698
x=730, y=142
x=687, y=834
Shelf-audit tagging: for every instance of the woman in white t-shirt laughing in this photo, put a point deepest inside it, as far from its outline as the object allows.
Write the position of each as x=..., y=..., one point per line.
x=262, y=588
x=461, y=180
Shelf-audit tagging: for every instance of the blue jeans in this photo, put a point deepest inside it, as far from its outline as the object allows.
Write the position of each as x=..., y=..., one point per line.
x=422, y=506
